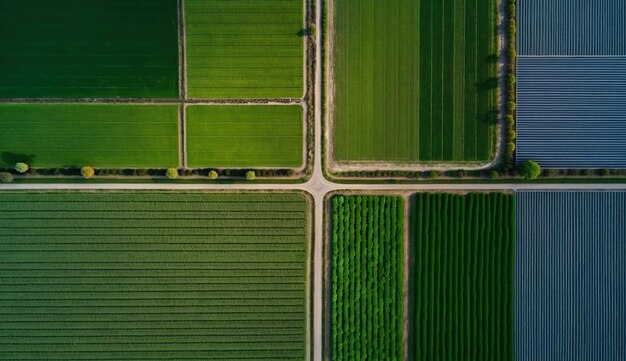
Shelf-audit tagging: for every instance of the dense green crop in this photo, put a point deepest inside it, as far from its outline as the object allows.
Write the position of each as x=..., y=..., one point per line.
x=89, y=49
x=138, y=275
x=99, y=135
x=415, y=80
x=245, y=49
x=367, y=317
x=245, y=136
x=462, y=277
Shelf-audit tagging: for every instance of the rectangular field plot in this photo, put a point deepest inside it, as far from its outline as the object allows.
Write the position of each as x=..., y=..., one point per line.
x=570, y=278
x=150, y=276
x=414, y=80
x=88, y=49
x=245, y=136
x=99, y=135
x=571, y=111
x=462, y=277
x=571, y=27
x=245, y=48
x=367, y=278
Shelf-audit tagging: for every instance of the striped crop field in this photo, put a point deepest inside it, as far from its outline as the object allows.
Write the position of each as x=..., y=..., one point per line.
x=570, y=276
x=153, y=276
x=462, y=277
x=414, y=80
x=245, y=48
x=245, y=136
x=100, y=135
x=88, y=49
x=367, y=306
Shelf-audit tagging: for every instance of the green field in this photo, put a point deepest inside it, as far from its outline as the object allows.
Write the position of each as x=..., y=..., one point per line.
x=462, y=277
x=100, y=135
x=245, y=136
x=415, y=80
x=244, y=48
x=367, y=305
x=88, y=49
x=153, y=276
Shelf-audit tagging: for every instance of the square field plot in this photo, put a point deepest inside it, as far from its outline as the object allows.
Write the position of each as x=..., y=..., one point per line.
x=148, y=276
x=88, y=49
x=245, y=136
x=100, y=135
x=571, y=111
x=245, y=48
x=414, y=81
x=462, y=277
x=570, y=278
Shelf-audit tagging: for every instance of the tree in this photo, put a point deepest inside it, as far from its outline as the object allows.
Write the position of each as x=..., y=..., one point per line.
x=250, y=175
x=213, y=175
x=494, y=174
x=171, y=173
x=530, y=169
x=21, y=167
x=87, y=172
x=6, y=177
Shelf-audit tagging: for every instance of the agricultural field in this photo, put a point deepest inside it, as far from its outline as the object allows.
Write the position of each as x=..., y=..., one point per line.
x=462, y=277
x=153, y=275
x=245, y=49
x=101, y=135
x=414, y=81
x=569, y=276
x=367, y=278
x=245, y=136
x=89, y=49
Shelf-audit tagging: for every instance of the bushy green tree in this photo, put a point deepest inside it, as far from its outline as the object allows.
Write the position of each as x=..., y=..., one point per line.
x=530, y=169
x=494, y=174
x=87, y=172
x=213, y=175
x=250, y=175
x=21, y=167
x=6, y=177
x=171, y=173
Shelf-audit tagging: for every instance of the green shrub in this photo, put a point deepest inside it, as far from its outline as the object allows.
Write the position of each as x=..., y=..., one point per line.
x=494, y=174
x=213, y=175
x=510, y=147
x=87, y=172
x=511, y=135
x=511, y=107
x=6, y=177
x=171, y=173
x=250, y=175
x=21, y=167
x=510, y=121
x=530, y=169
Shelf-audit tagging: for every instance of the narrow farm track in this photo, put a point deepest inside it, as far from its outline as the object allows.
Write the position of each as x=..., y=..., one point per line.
x=318, y=186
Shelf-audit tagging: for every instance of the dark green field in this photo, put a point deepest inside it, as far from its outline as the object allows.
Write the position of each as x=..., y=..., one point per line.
x=245, y=48
x=245, y=136
x=367, y=273
x=462, y=280
x=153, y=276
x=99, y=135
x=88, y=49
x=415, y=80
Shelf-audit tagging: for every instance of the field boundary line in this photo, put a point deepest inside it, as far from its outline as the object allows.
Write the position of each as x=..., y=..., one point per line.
x=182, y=135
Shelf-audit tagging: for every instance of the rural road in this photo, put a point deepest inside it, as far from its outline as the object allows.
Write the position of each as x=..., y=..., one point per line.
x=318, y=187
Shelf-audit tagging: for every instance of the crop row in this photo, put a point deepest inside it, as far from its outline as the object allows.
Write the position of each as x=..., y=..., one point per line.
x=367, y=278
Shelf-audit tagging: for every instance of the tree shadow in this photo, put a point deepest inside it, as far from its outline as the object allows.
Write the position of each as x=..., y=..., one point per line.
x=488, y=84
x=491, y=59
x=12, y=158
x=490, y=116
x=304, y=32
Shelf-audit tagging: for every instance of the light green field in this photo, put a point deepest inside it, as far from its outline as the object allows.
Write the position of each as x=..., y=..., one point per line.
x=244, y=48
x=100, y=135
x=88, y=49
x=415, y=80
x=153, y=276
x=245, y=136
